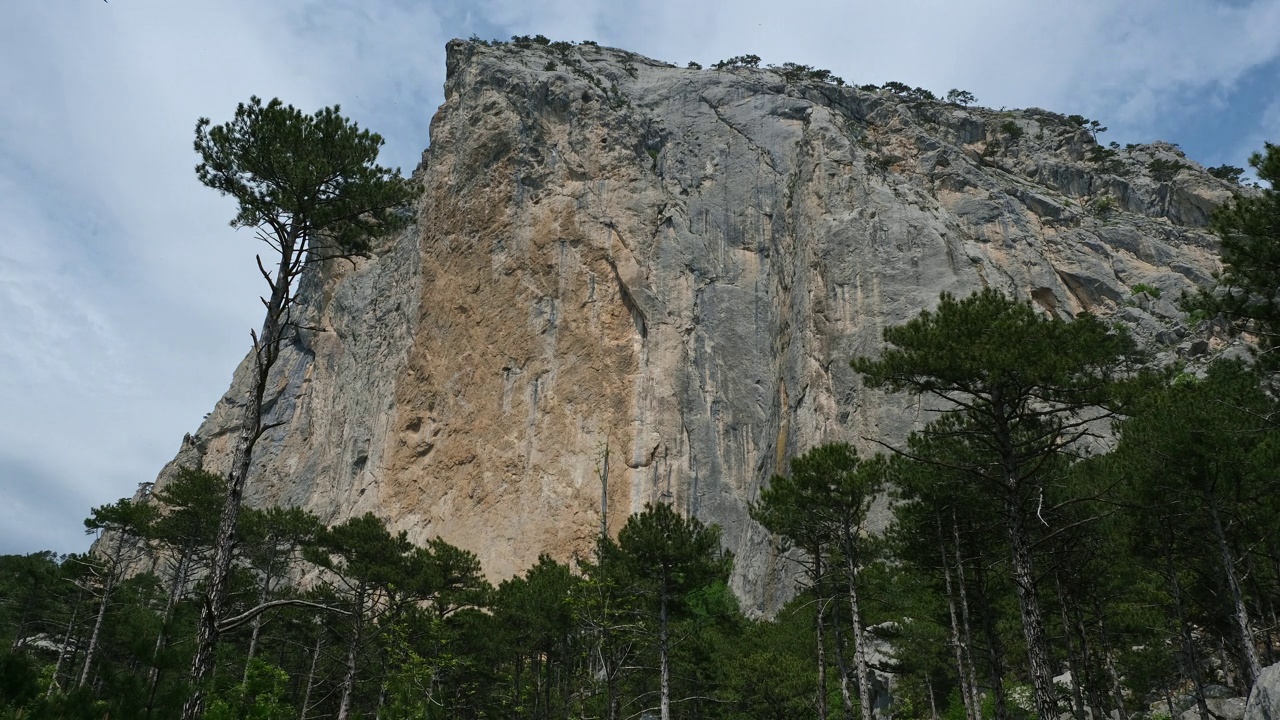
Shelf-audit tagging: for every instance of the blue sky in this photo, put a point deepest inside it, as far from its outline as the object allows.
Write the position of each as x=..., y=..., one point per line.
x=126, y=300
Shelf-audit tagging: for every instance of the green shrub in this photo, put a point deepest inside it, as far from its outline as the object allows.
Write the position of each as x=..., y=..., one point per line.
x=1150, y=290
x=739, y=61
x=694, y=66
x=1165, y=170
x=1230, y=173
x=550, y=66
x=1012, y=129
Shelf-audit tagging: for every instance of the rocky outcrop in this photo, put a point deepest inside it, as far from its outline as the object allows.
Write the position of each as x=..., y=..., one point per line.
x=677, y=265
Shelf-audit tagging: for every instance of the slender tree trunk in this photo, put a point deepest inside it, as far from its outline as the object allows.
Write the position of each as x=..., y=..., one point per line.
x=349, y=679
x=257, y=627
x=1248, y=651
x=66, y=643
x=107, y=587
x=846, y=696
x=1073, y=659
x=821, y=645
x=266, y=350
x=1108, y=658
x=995, y=648
x=933, y=704
x=311, y=676
x=1029, y=605
x=955, y=629
x=664, y=657
x=175, y=589
x=1188, y=642
x=967, y=633
x=1089, y=666
x=97, y=630
x=859, y=637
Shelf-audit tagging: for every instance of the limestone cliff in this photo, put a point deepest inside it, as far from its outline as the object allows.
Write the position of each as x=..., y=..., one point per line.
x=679, y=263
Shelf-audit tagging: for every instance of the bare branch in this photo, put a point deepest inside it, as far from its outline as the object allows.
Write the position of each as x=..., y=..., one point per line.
x=232, y=623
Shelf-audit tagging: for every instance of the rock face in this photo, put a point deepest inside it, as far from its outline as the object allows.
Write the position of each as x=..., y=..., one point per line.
x=678, y=264
x=1264, y=698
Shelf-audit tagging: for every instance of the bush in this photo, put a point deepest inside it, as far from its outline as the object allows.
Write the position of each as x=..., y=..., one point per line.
x=1165, y=170
x=550, y=66
x=1012, y=129
x=739, y=61
x=1151, y=290
x=1230, y=173
x=694, y=66
x=961, y=97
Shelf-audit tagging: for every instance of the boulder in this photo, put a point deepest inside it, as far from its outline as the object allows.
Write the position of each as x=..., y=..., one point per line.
x=1264, y=699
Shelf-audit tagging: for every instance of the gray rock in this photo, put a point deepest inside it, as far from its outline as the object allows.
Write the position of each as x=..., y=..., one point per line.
x=1220, y=708
x=1264, y=699
x=678, y=265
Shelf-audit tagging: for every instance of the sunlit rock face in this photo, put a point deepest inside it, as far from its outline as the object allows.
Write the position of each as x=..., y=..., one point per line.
x=678, y=264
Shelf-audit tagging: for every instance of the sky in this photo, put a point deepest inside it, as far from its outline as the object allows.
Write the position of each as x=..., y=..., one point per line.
x=126, y=300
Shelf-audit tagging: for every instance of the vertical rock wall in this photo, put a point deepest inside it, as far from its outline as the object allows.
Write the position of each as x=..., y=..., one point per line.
x=679, y=264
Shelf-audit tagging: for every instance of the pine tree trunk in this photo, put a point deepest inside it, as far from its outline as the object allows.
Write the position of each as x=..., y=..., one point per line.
x=257, y=627
x=1089, y=665
x=821, y=646
x=1248, y=651
x=311, y=676
x=1029, y=606
x=1188, y=642
x=175, y=589
x=102, y=609
x=972, y=683
x=349, y=679
x=933, y=704
x=665, y=657
x=1073, y=658
x=955, y=629
x=1108, y=658
x=994, y=647
x=846, y=696
x=266, y=350
x=66, y=643
x=859, y=638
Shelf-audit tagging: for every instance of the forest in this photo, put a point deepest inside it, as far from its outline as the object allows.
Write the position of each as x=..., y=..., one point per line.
x=1075, y=534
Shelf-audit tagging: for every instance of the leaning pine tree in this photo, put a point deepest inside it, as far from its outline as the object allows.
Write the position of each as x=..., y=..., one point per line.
x=1019, y=392
x=310, y=187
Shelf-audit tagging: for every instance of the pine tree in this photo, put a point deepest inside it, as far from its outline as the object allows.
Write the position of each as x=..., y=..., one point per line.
x=1248, y=291
x=1019, y=391
x=310, y=187
x=669, y=558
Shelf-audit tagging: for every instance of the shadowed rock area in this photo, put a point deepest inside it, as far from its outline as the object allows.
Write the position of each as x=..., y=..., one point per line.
x=679, y=264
